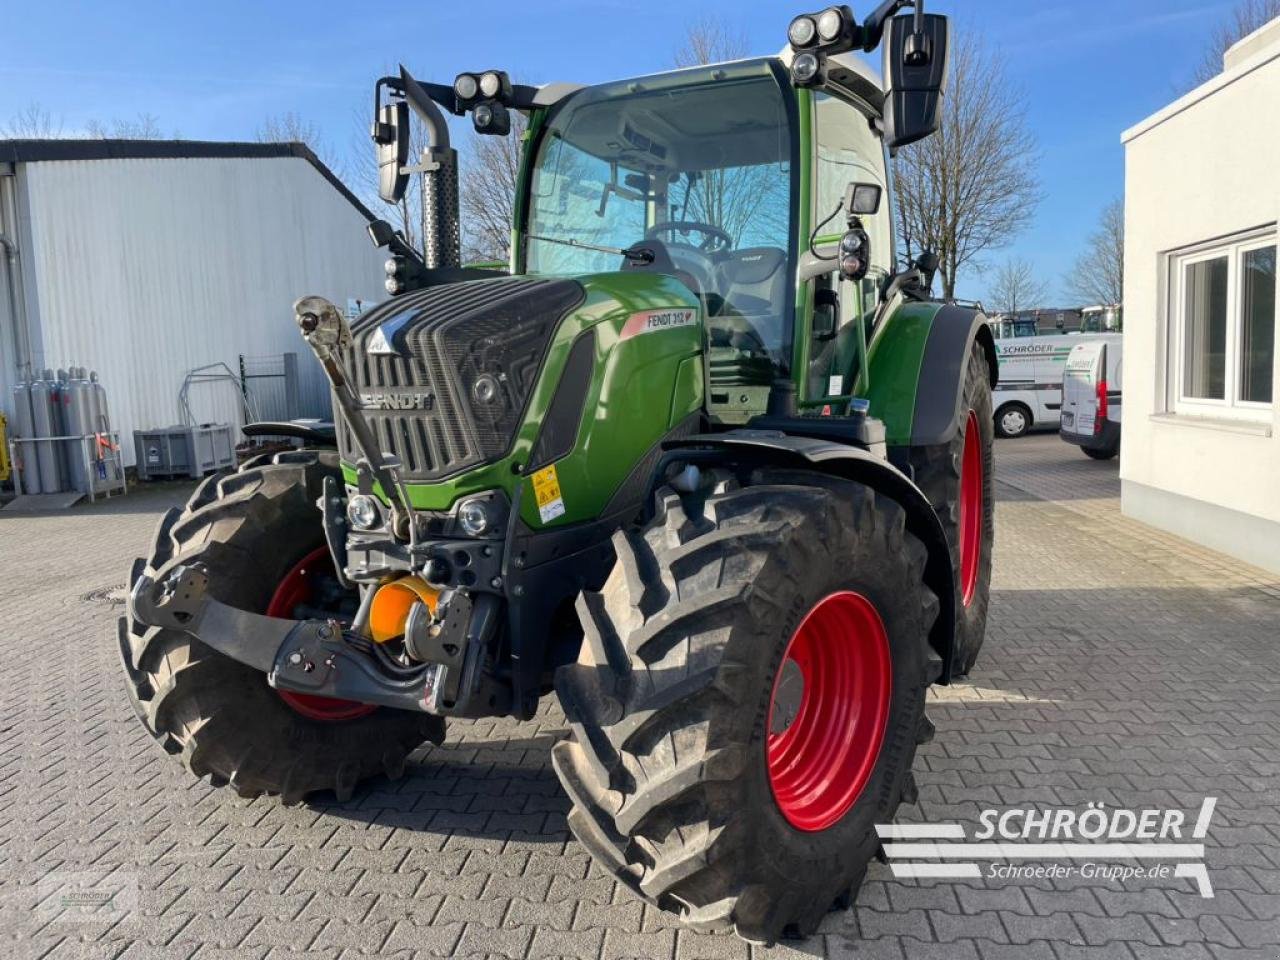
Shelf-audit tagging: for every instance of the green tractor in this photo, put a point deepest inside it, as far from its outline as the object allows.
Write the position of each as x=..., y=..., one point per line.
x=706, y=462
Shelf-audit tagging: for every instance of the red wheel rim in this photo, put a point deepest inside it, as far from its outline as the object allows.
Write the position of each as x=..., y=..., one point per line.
x=820, y=761
x=298, y=587
x=971, y=504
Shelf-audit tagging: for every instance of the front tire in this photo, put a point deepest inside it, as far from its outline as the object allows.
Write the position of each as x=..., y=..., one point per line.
x=254, y=531
x=686, y=766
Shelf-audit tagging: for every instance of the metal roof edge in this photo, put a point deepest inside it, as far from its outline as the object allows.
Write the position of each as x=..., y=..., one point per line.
x=53, y=151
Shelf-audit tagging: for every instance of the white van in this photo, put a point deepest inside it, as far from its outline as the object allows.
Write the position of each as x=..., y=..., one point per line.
x=1029, y=394
x=1091, y=399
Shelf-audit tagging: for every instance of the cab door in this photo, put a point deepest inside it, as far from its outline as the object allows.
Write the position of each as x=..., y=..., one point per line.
x=846, y=150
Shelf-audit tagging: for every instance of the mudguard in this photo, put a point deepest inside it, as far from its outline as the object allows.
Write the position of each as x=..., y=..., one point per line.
x=917, y=365
x=859, y=466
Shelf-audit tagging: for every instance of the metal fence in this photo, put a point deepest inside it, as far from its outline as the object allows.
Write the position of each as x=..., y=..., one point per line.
x=272, y=382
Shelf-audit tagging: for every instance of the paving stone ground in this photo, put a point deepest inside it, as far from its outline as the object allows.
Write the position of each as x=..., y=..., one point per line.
x=1122, y=666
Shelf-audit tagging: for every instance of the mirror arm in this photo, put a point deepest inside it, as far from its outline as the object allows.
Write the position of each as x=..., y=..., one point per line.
x=873, y=26
x=425, y=107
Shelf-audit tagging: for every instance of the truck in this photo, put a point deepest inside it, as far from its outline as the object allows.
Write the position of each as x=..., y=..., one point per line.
x=706, y=463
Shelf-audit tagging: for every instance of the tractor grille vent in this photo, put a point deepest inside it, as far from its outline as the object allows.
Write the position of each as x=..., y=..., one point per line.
x=466, y=357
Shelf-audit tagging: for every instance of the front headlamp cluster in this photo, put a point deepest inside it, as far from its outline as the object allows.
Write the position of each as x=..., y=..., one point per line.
x=488, y=96
x=815, y=36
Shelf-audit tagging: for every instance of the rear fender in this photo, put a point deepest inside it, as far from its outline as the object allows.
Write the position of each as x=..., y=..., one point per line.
x=917, y=367
x=779, y=449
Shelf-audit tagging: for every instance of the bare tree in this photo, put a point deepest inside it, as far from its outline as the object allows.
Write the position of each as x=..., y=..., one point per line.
x=145, y=127
x=710, y=40
x=1017, y=287
x=1098, y=274
x=972, y=186
x=735, y=198
x=1248, y=16
x=490, y=178
x=289, y=127
x=33, y=122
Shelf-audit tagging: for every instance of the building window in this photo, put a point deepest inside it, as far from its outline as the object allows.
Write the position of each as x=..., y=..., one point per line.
x=1223, y=328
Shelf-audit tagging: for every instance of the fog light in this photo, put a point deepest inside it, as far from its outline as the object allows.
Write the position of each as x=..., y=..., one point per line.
x=363, y=513
x=473, y=517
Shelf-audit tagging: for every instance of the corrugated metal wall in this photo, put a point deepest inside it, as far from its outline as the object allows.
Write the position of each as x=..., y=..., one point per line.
x=145, y=269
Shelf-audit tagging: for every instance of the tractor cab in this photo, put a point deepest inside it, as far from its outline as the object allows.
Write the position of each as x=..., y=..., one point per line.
x=728, y=178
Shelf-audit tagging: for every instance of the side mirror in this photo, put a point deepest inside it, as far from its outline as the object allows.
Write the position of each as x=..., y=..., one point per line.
x=391, y=139
x=862, y=199
x=826, y=307
x=915, y=70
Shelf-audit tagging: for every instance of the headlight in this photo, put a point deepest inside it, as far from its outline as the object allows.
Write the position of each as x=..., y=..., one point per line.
x=363, y=513
x=483, y=115
x=804, y=68
x=466, y=86
x=473, y=517
x=802, y=31
x=490, y=84
x=830, y=25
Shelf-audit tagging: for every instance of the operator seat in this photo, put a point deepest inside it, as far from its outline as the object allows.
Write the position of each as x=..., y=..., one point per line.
x=754, y=285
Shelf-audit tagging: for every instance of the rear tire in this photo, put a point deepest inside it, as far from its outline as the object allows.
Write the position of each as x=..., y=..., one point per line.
x=220, y=717
x=672, y=699
x=940, y=475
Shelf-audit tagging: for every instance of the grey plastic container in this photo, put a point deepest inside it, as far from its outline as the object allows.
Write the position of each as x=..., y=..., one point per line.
x=181, y=451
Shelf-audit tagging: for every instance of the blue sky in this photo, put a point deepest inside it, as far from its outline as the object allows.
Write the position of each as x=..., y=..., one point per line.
x=1089, y=69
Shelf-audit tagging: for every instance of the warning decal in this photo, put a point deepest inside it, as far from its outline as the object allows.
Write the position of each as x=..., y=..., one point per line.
x=546, y=490
x=655, y=321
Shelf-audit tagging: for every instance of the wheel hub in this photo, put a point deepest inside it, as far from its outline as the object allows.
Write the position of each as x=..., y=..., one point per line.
x=828, y=711
x=299, y=587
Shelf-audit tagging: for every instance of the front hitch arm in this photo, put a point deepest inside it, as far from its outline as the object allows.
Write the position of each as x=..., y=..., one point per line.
x=302, y=656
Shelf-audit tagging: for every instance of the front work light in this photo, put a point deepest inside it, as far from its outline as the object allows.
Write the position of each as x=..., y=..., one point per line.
x=491, y=119
x=466, y=87
x=830, y=25
x=490, y=85
x=825, y=34
x=805, y=68
x=802, y=31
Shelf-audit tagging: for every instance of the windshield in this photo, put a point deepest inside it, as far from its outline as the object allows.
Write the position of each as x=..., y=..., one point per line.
x=696, y=165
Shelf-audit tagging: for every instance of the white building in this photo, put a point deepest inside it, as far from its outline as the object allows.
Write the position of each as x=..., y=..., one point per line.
x=1201, y=453
x=145, y=259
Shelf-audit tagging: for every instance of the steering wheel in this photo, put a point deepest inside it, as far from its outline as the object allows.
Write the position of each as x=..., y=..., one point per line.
x=714, y=239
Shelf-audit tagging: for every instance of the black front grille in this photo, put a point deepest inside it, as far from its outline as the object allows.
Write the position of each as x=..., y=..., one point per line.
x=421, y=402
